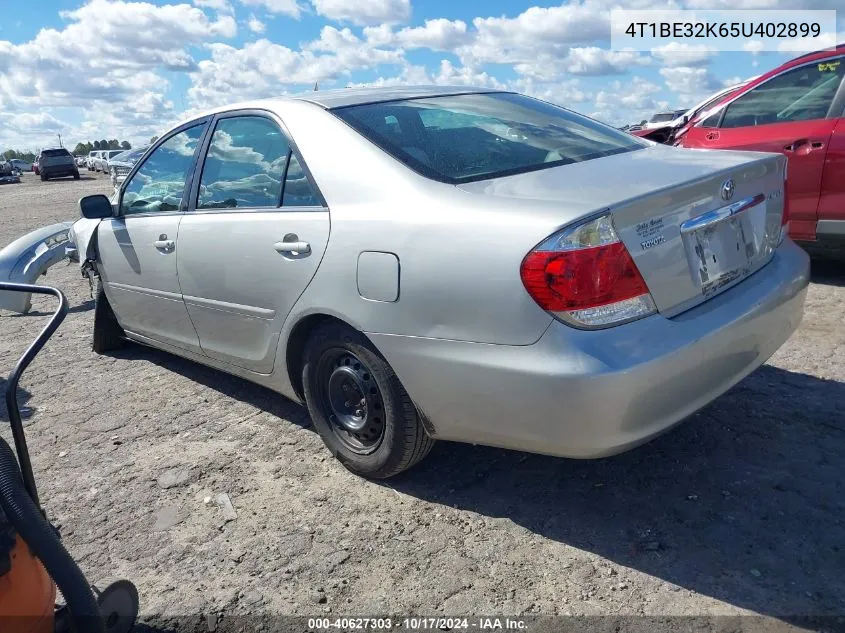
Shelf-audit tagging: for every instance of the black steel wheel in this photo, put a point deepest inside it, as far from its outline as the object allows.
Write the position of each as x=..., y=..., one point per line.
x=358, y=406
x=350, y=395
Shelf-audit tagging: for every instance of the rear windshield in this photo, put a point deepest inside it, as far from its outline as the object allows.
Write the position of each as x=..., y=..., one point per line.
x=55, y=152
x=663, y=117
x=461, y=138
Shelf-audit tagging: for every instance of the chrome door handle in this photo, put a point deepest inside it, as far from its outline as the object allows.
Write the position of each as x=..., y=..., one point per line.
x=165, y=245
x=301, y=248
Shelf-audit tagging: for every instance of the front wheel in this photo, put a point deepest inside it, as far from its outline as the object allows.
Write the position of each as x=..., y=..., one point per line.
x=358, y=406
x=108, y=335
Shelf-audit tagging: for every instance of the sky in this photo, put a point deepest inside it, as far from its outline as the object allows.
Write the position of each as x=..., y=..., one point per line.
x=129, y=70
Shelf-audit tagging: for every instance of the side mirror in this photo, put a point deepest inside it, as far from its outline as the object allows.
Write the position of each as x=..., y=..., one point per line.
x=686, y=119
x=96, y=207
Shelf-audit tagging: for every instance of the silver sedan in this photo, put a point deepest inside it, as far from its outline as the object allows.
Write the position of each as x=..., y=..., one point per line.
x=431, y=263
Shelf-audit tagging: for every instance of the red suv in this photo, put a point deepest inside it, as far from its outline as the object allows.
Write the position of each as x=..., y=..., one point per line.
x=798, y=110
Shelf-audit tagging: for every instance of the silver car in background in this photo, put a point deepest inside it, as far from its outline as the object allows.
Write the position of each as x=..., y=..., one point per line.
x=432, y=263
x=121, y=164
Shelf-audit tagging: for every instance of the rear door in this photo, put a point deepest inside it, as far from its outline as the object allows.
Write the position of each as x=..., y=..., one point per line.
x=832, y=203
x=252, y=240
x=793, y=113
x=137, y=250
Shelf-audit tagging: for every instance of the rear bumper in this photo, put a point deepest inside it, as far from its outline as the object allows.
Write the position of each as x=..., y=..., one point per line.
x=60, y=170
x=590, y=394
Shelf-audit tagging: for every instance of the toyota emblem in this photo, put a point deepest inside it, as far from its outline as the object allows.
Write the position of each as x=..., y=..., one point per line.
x=727, y=191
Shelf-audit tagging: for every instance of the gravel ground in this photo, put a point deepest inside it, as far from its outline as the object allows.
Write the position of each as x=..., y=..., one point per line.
x=740, y=510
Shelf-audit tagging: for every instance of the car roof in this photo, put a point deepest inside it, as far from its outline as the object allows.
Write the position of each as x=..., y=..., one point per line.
x=341, y=97
x=358, y=96
x=840, y=48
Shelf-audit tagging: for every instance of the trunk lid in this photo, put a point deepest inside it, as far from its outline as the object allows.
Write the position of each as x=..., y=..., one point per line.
x=695, y=222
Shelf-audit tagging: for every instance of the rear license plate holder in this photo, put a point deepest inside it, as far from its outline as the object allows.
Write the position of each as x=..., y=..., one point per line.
x=721, y=253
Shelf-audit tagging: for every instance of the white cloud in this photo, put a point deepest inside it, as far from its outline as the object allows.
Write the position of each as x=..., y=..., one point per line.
x=108, y=55
x=263, y=68
x=438, y=35
x=362, y=12
x=290, y=8
x=218, y=5
x=550, y=31
x=680, y=54
x=599, y=61
x=569, y=94
x=545, y=43
x=690, y=82
x=255, y=25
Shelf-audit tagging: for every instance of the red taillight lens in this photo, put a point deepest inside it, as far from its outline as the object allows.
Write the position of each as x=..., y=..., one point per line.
x=585, y=276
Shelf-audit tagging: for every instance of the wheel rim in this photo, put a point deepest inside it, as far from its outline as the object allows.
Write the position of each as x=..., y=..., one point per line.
x=351, y=400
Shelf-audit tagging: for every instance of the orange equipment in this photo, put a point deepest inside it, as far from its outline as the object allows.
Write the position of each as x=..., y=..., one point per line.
x=33, y=561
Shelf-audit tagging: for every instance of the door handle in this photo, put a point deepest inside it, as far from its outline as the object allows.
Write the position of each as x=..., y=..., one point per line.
x=292, y=244
x=795, y=145
x=164, y=244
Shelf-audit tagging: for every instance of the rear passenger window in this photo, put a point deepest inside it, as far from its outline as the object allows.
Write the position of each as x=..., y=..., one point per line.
x=245, y=165
x=298, y=190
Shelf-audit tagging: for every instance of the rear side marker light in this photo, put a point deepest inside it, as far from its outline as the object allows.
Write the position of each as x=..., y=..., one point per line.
x=586, y=277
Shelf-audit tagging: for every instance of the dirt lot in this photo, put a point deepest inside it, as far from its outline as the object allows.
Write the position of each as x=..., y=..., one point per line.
x=740, y=510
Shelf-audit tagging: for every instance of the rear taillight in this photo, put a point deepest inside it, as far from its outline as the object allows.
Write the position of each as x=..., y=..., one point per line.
x=585, y=276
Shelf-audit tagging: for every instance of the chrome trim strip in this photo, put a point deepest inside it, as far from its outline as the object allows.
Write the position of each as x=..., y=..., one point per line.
x=235, y=308
x=717, y=215
x=161, y=294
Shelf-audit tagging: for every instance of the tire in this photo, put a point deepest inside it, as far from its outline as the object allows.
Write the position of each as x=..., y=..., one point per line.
x=108, y=335
x=392, y=437
x=76, y=175
x=44, y=178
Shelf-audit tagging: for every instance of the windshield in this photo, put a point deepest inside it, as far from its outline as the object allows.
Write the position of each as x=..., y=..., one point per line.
x=663, y=117
x=461, y=138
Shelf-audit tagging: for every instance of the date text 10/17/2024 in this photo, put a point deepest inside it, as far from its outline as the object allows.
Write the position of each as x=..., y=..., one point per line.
x=417, y=624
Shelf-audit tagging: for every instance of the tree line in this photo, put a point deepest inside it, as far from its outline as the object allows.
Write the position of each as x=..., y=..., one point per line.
x=27, y=156
x=83, y=149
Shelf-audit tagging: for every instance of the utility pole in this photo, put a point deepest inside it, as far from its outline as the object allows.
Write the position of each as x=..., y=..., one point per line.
x=60, y=141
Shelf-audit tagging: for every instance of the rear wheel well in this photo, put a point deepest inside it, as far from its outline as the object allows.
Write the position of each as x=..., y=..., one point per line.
x=296, y=347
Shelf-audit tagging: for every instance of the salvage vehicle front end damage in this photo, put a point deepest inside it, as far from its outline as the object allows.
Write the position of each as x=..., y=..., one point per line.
x=9, y=174
x=29, y=257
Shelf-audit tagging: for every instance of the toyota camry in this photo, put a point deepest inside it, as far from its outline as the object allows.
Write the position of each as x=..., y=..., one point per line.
x=425, y=263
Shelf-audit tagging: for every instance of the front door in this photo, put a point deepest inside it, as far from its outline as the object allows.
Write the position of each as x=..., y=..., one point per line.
x=137, y=250
x=251, y=242
x=793, y=113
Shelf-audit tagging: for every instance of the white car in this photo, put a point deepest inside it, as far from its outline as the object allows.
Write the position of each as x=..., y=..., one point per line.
x=17, y=163
x=91, y=160
x=664, y=119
